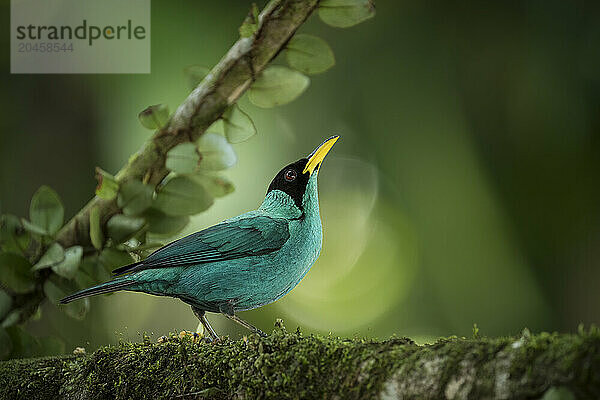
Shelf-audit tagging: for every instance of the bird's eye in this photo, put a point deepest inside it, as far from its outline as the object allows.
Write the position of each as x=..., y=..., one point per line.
x=290, y=175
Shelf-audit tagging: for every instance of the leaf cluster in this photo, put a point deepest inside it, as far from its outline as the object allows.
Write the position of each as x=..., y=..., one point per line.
x=306, y=55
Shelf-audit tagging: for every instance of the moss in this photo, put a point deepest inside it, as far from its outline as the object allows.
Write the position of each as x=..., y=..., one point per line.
x=291, y=365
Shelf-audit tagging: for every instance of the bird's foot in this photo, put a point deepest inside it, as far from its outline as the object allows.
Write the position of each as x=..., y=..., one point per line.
x=246, y=324
x=208, y=339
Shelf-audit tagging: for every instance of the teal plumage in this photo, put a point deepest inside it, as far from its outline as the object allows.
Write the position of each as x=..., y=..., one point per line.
x=252, y=280
x=244, y=262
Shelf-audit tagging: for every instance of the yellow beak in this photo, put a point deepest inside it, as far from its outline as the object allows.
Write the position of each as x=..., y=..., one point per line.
x=316, y=157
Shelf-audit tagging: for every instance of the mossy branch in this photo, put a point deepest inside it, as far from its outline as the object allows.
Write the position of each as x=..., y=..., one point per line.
x=224, y=85
x=290, y=365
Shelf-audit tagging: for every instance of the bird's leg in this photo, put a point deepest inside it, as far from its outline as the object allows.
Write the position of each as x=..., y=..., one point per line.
x=200, y=314
x=246, y=325
x=227, y=310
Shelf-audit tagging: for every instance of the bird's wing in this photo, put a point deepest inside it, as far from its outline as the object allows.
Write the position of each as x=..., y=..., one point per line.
x=228, y=240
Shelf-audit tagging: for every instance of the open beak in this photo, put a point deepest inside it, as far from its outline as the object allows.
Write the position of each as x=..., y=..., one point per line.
x=316, y=157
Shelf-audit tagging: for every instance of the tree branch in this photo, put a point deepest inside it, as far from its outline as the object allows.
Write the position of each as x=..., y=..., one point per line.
x=287, y=365
x=224, y=85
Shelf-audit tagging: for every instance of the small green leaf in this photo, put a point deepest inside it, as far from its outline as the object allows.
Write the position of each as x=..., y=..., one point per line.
x=250, y=24
x=96, y=235
x=181, y=196
x=113, y=258
x=16, y=273
x=154, y=117
x=183, y=158
x=5, y=344
x=162, y=224
x=121, y=227
x=84, y=280
x=277, y=85
x=68, y=267
x=345, y=13
x=53, y=255
x=56, y=288
x=37, y=314
x=134, y=197
x=46, y=210
x=32, y=228
x=195, y=74
x=558, y=393
x=92, y=271
x=5, y=303
x=216, y=185
x=217, y=127
x=237, y=125
x=13, y=237
x=12, y=318
x=309, y=54
x=53, y=292
x=247, y=29
x=216, y=153
x=107, y=185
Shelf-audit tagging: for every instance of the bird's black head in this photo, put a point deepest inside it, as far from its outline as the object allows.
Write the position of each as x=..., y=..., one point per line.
x=292, y=180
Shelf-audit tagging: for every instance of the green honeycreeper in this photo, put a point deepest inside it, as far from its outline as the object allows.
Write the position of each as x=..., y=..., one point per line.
x=244, y=262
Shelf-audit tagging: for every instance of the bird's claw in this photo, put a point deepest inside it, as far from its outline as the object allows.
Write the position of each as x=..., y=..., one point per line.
x=209, y=339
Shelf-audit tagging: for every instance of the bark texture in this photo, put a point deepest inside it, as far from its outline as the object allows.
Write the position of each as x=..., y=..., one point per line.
x=294, y=366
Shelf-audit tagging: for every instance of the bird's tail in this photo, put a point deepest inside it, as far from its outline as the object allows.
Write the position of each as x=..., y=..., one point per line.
x=103, y=288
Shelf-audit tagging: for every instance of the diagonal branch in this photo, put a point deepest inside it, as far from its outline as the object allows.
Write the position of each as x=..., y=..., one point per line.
x=223, y=86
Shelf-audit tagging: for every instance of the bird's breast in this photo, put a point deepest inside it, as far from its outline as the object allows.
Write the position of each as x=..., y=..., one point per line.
x=296, y=257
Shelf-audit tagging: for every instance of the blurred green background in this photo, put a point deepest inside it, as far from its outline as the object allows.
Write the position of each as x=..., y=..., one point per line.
x=465, y=187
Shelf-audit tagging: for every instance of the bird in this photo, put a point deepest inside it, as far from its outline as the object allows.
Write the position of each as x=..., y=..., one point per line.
x=242, y=263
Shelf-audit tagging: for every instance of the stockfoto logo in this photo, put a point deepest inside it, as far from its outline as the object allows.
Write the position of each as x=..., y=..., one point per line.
x=82, y=32
x=76, y=36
